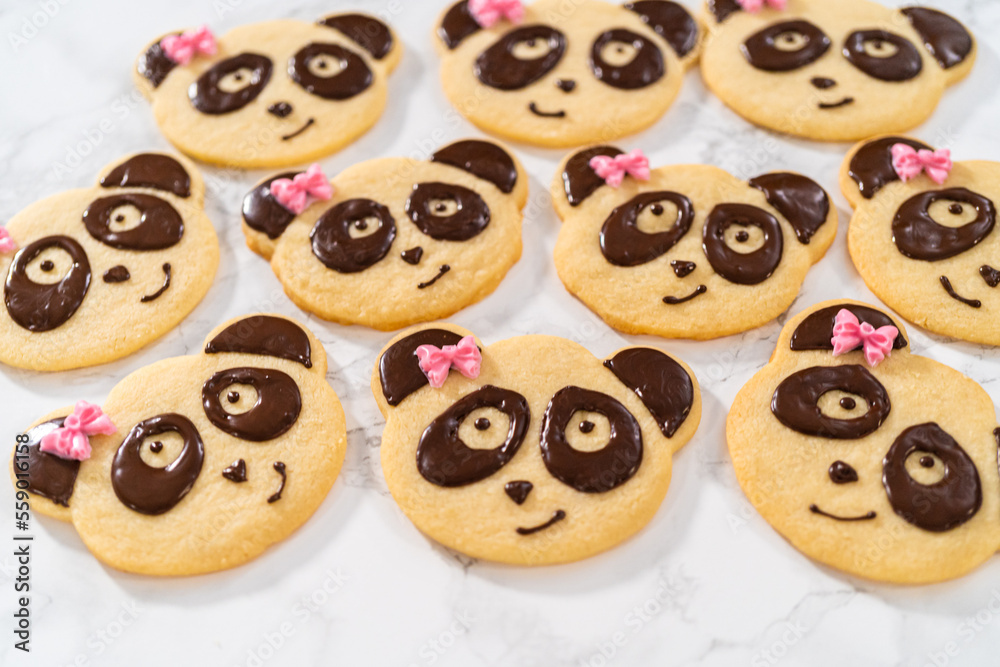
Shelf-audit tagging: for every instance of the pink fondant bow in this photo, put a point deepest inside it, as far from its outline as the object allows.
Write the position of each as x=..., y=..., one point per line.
x=849, y=333
x=488, y=12
x=295, y=193
x=614, y=169
x=909, y=162
x=70, y=441
x=182, y=48
x=7, y=243
x=435, y=361
x=754, y=6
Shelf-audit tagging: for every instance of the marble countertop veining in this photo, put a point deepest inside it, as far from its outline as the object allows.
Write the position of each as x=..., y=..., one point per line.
x=708, y=583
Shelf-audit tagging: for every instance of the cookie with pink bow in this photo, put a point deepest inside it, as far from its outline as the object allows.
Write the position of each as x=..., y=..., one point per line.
x=866, y=457
x=923, y=234
x=393, y=241
x=269, y=94
x=685, y=251
x=531, y=450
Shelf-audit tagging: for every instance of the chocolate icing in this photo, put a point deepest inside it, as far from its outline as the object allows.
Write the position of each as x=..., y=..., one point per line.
x=533, y=108
x=918, y=236
x=471, y=217
x=937, y=507
x=154, y=65
x=367, y=32
x=117, y=274
x=795, y=401
x=904, y=65
x=946, y=283
x=661, y=383
x=412, y=256
x=867, y=516
x=682, y=269
x=677, y=300
x=150, y=170
x=482, y=159
x=265, y=335
x=721, y=9
x=498, y=67
x=799, y=199
x=150, y=490
x=353, y=79
x=579, y=179
x=399, y=368
x=670, y=21
x=557, y=516
x=645, y=69
x=815, y=332
x=208, y=98
x=762, y=53
x=279, y=468
x=276, y=410
x=457, y=24
x=163, y=288
x=624, y=244
x=990, y=275
x=742, y=268
x=445, y=268
x=160, y=225
x=443, y=459
x=237, y=472
x=591, y=471
x=333, y=245
x=871, y=167
x=848, y=403
x=41, y=307
x=49, y=476
x=262, y=212
x=946, y=39
x=518, y=491
x=842, y=473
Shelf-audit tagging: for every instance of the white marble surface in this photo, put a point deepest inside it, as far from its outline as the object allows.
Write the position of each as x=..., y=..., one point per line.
x=707, y=583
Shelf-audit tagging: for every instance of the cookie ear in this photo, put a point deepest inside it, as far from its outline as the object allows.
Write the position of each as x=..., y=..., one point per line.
x=870, y=167
x=456, y=25
x=482, y=159
x=721, y=9
x=366, y=31
x=946, y=39
x=150, y=170
x=815, y=332
x=662, y=384
x=263, y=213
x=264, y=335
x=579, y=179
x=670, y=21
x=398, y=367
x=800, y=200
x=153, y=65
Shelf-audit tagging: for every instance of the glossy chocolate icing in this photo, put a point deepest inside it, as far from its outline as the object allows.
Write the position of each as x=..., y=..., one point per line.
x=482, y=159
x=150, y=170
x=276, y=410
x=40, y=307
x=265, y=335
x=661, y=383
x=796, y=401
x=399, y=368
x=333, y=244
x=742, y=268
x=800, y=200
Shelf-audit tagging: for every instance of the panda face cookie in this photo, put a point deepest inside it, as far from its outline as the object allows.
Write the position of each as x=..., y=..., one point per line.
x=135, y=250
x=929, y=250
x=834, y=71
x=273, y=94
x=548, y=455
x=692, y=252
x=401, y=241
x=568, y=73
x=217, y=455
x=886, y=472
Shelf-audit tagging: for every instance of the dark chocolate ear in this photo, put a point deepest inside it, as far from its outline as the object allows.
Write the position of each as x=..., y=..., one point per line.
x=457, y=24
x=483, y=160
x=816, y=331
x=661, y=383
x=154, y=65
x=49, y=476
x=150, y=170
x=871, y=167
x=670, y=21
x=265, y=335
x=262, y=212
x=579, y=179
x=800, y=200
x=399, y=368
x=366, y=31
x=721, y=9
x=947, y=40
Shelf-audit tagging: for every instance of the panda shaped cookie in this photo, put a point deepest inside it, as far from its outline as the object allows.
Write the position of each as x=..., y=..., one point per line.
x=685, y=251
x=927, y=246
x=135, y=252
x=833, y=70
x=557, y=73
x=269, y=94
x=866, y=457
x=215, y=457
x=392, y=241
x=530, y=451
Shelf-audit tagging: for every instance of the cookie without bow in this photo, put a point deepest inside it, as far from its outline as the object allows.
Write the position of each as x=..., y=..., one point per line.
x=218, y=455
x=886, y=472
x=546, y=455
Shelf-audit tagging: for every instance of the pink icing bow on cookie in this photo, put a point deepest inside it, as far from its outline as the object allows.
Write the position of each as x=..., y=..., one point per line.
x=909, y=162
x=614, y=169
x=296, y=194
x=435, y=361
x=849, y=333
x=754, y=6
x=182, y=48
x=70, y=441
x=488, y=12
x=7, y=243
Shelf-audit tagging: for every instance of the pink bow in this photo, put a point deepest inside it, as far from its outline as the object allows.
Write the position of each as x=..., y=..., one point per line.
x=182, y=48
x=7, y=243
x=71, y=441
x=614, y=169
x=488, y=12
x=296, y=194
x=909, y=162
x=435, y=362
x=849, y=333
x=754, y=6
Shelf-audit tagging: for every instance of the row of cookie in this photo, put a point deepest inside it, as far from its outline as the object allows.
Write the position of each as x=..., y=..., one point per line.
x=556, y=73
x=529, y=451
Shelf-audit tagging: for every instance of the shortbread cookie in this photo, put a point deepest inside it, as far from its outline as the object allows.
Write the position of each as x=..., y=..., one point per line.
x=929, y=250
x=270, y=94
x=102, y=271
x=567, y=73
x=691, y=252
x=833, y=70
x=216, y=457
x=544, y=455
x=401, y=241
x=887, y=472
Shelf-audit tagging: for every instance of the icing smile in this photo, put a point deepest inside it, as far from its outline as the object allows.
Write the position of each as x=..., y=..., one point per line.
x=158, y=293
x=946, y=283
x=864, y=517
x=546, y=114
x=443, y=270
x=836, y=105
x=674, y=300
x=299, y=131
x=557, y=516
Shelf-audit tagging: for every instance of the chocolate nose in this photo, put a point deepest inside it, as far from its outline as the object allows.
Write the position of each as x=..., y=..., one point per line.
x=823, y=83
x=566, y=85
x=518, y=491
x=280, y=109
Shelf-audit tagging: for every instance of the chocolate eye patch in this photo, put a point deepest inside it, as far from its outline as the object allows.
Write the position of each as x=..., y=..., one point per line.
x=330, y=71
x=919, y=236
x=749, y=268
x=447, y=212
x=795, y=402
x=276, y=410
x=160, y=226
x=626, y=60
x=40, y=306
x=883, y=55
x=333, y=244
x=624, y=244
x=521, y=57
x=785, y=46
x=231, y=85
